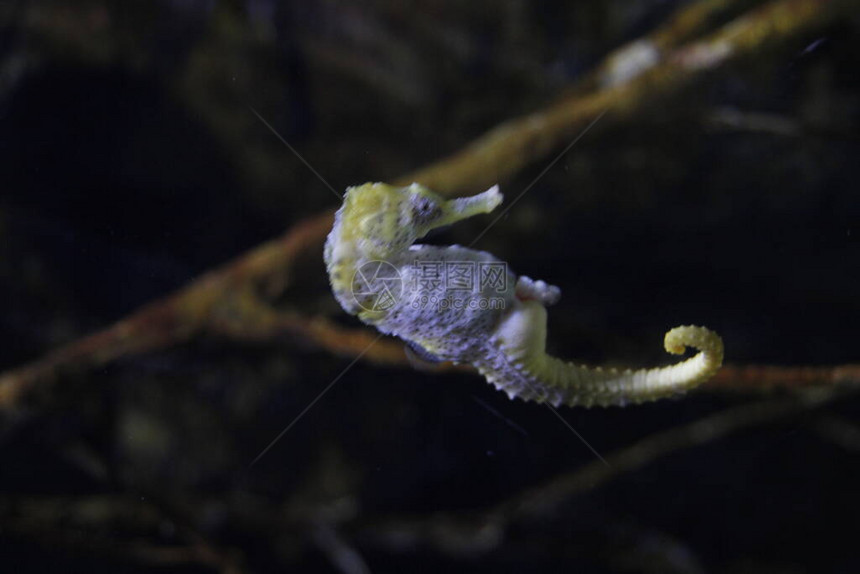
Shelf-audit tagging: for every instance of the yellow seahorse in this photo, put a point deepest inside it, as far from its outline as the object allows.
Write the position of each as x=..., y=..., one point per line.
x=462, y=305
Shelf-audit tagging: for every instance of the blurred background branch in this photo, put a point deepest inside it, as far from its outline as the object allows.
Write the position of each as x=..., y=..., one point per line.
x=235, y=301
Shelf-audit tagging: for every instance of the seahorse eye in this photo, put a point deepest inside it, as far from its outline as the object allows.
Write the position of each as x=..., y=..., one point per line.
x=424, y=209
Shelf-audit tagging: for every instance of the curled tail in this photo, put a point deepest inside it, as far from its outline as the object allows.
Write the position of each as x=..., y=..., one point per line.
x=517, y=364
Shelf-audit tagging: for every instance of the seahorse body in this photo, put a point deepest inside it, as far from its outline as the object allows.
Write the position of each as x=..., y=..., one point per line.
x=377, y=273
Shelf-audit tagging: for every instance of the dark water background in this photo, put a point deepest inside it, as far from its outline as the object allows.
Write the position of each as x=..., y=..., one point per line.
x=131, y=163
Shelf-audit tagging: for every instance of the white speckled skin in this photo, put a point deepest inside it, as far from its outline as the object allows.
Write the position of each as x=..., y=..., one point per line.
x=506, y=342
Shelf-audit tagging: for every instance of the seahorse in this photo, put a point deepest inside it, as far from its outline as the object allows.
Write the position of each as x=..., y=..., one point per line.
x=491, y=319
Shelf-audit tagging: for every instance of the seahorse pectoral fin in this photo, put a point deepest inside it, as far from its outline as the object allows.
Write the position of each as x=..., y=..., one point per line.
x=542, y=377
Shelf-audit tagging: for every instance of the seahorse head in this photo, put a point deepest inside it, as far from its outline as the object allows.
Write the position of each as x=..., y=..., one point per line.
x=378, y=222
x=386, y=219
